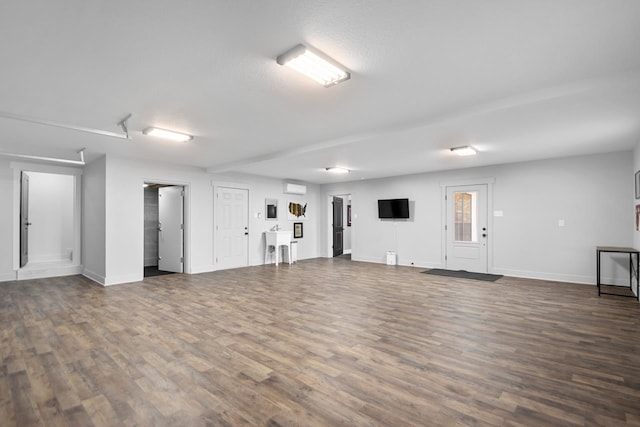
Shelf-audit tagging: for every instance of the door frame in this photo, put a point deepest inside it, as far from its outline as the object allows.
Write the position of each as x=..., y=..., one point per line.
x=24, y=218
x=186, y=233
x=329, y=222
x=443, y=216
x=18, y=168
x=216, y=187
x=182, y=196
x=333, y=225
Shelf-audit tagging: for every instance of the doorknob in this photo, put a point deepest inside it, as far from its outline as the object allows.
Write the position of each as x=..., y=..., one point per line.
x=484, y=234
x=27, y=224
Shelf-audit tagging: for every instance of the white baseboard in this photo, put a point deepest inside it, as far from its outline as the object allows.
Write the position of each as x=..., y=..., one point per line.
x=347, y=251
x=48, y=270
x=8, y=277
x=555, y=277
x=117, y=280
x=93, y=276
x=125, y=278
x=49, y=258
x=201, y=269
x=383, y=260
x=538, y=275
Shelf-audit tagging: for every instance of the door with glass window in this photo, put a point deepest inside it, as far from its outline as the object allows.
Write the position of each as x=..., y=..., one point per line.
x=466, y=228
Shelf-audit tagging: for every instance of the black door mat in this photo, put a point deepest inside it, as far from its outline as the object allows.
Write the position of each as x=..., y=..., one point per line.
x=464, y=274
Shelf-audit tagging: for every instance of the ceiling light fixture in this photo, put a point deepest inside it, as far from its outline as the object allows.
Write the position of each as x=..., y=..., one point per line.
x=167, y=134
x=314, y=64
x=337, y=169
x=466, y=150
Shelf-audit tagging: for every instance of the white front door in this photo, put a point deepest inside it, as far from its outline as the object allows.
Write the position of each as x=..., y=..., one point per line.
x=171, y=229
x=232, y=228
x=466, y=228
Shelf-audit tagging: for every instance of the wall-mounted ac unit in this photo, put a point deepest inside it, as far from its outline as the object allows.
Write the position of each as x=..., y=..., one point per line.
x=290, y=188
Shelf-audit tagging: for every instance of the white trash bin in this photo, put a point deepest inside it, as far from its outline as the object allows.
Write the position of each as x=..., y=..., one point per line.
x=391, y=258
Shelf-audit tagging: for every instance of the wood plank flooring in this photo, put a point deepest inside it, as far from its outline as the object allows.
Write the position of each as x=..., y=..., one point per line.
x=319, y=343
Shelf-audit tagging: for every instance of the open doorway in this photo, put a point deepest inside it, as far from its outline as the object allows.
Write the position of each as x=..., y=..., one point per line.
x=47, y=221
x=339, y=226
x=163, y=229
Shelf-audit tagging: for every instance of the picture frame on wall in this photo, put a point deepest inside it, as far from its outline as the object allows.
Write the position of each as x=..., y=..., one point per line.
x=638, y=185
x=297, y=230
x=271, y=209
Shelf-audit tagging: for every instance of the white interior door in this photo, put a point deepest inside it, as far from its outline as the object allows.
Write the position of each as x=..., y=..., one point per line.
x=466, y=228
x=171, y=229
x=232, y=227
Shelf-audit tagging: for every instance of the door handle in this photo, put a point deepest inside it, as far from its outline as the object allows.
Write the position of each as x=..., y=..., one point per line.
x=246, y=233
x=484, y=234
x=27, y=224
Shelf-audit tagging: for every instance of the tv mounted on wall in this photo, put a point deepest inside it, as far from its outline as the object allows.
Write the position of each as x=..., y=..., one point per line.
x=393, y=208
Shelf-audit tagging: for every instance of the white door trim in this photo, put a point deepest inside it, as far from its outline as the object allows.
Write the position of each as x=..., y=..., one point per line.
x=169, y=263
x=329, y=221
x=216, y=187
x=443, y=215
x=18, y=167
x=186, y=233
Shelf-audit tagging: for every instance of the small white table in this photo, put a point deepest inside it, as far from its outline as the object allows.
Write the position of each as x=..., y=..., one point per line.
x=277, y=239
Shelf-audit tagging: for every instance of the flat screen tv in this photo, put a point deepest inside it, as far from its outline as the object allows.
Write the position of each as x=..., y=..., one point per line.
x=393, y=208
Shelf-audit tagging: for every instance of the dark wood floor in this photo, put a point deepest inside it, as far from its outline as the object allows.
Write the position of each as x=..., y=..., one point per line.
x=321, y=342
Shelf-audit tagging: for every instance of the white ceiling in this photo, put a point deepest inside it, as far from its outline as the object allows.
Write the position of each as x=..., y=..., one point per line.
x=518, y=80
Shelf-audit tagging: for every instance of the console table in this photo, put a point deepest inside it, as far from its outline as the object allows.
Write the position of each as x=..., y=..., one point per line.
x=634, y=270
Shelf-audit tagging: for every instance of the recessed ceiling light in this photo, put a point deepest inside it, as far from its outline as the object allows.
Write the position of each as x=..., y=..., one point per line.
x=464, y=151
x=167, y=134
x=314, y=64
x=337, y=169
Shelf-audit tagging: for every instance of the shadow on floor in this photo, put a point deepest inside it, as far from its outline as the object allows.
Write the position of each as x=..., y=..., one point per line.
x=153, y=271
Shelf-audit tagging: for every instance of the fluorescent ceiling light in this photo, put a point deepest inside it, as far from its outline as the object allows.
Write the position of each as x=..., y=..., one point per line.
x=167, y=134
x=337, y=169
x=464, y=151
x=315, y=65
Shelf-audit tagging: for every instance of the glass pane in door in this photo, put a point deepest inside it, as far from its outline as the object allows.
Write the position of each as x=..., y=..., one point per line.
x=465, y=216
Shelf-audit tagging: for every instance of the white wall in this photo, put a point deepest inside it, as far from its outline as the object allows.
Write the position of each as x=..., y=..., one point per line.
x=635, y=202
x=123, y=219
x=6, y=222
x=93, y=220
x=10, y=224
x=590, y=193
x=636, y=168
x=261, y=188
x=51, y=216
